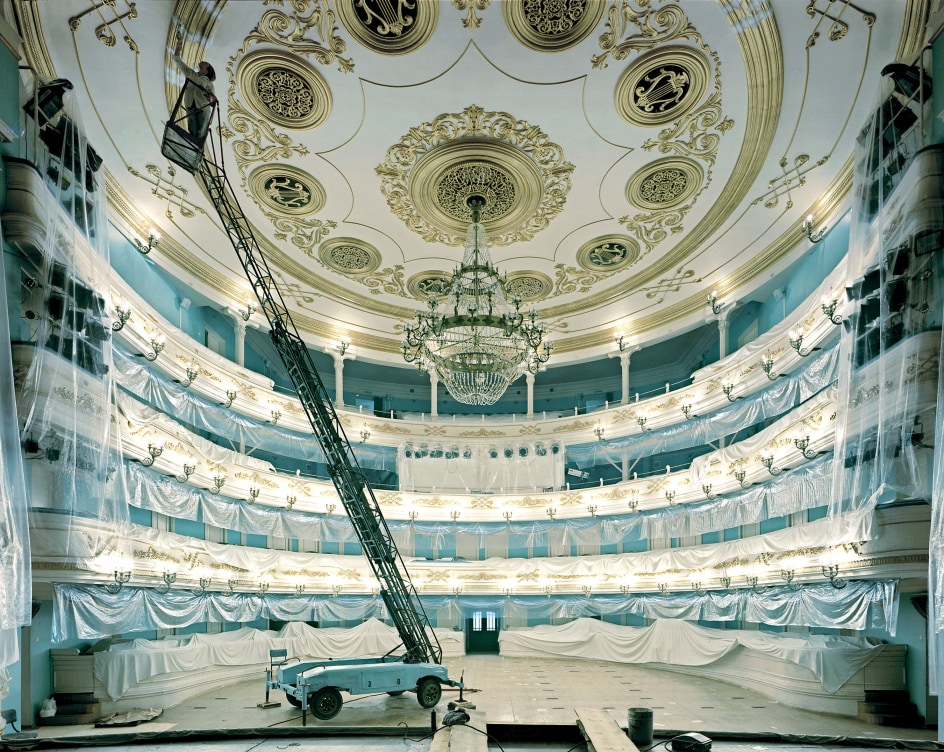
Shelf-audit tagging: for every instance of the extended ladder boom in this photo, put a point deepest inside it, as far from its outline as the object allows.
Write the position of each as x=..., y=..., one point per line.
x=399, y=595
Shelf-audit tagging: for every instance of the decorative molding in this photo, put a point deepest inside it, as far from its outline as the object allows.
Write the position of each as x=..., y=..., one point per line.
x=390, y=27
x=550, y=25
x=471, y=21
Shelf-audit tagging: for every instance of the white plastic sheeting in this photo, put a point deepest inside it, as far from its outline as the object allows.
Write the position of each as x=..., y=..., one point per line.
x=126, y=664
x=832, y=659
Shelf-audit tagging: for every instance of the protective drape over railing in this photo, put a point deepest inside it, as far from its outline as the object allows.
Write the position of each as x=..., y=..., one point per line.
x=805, y=488
x=65, y=402
x=15, y=574
x=191, y=409
x=89, y=612
x=779, y=397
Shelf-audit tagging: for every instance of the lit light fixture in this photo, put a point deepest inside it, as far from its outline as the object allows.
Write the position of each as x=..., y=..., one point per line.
x=483, y=342
x=121, y=577
x=728, y=386
x=829, y=306
x=802, y=442
x=169, y=579
x=796, y=342
x=713, y=303
x=365, y=434
x=767, y=363
x=621, y=342
x=248, y=310
x=343, y=344
x=153, y=240
x=122, y=314
x=813, y=237
x=158, y=343
x=832, y=572
x=598, y=431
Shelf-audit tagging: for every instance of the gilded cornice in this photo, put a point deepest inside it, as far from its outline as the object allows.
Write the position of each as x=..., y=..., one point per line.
x=913, y=29
x=30, y=28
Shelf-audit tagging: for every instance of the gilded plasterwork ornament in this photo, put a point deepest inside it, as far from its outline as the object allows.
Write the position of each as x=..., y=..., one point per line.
x=286, y=189
x=390, y=27
x=664, y=184
x=522, y=174
x=349, y=256
x=283, y=89
x=529, y=286
x=552, y=25
x=608, y=254
x=659, y=87
x=471, y=21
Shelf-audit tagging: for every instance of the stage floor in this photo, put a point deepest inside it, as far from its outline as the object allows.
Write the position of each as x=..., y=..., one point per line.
x=525, y=697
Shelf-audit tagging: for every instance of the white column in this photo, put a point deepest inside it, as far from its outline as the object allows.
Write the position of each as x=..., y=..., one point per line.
x=240, y=341
x=722, y=317
x=529, y=377
x=433, y=393
x=624, y=354
x=339, y=354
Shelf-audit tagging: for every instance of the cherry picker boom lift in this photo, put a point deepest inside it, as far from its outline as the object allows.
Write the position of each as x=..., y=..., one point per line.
x=316, y=685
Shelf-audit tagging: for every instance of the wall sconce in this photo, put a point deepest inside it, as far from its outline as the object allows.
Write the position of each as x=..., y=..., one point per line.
x=276, y=414
x=670, y=496
x=155, y=452
x=725, y=581
x=598, y=432
x=169, y=579
x=253, y=495
x=551, y=511
x=586, y=591
x=663, y=587
x=796, y=342
x=329, y=508
x=290, y=502
x=829, y=306
x=706, y=489
x=230, y=398
x=687, y=410
x=621, y=342
x=153, y=240
x=832, y=572
x=365, y=434
x=788, y=576
x=740, y=473
x=625, y=589
x=767, y=460
x=336, y=590
x=641, y=420
x=246, y=313
x=413, y=514
x=455, y=514
x=188, y=471
x=713, y=303
x=157, y=345
x=218, y=481
x=192, y=373
x=727, y=386
x=299, y=588
x=801, y=443
x=263, y=587
x=121, y=577
x=343, y=345
x=592, y=508
x=633, y=502
x=231, y=584
x=697, y=587
x=548, y=589
x=767, y=363
x=507, y=515
x=813, y=237
x=752, y=583
x=122, y=314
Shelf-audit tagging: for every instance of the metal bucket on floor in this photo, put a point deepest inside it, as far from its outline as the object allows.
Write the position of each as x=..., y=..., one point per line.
x=639, y=726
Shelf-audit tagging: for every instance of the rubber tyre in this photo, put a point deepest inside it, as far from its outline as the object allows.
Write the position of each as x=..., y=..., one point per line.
x=325, y=704
x=428, y=692
x=293, y=700
x=396, y=693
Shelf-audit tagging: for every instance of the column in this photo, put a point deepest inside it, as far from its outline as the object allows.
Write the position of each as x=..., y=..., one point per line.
x=529, y=377
x=240, y=341
x=625, y=351
x=433, y=393
x=339, y=353
x=724, y=310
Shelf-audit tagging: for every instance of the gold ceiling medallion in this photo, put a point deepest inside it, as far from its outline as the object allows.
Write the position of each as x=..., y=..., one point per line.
x=608, y=254
x=664, y=184
x=286, y=189
x=430, y=173
x=662, y=86
x=283, y=90
x=427, y=285
x=471, y=21
x=349, y=256
x=529, y=286
x=390, y=27
x=552, y=25
x=277, y=28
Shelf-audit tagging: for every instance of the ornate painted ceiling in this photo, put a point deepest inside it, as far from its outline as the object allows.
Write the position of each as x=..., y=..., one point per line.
x=634, y=154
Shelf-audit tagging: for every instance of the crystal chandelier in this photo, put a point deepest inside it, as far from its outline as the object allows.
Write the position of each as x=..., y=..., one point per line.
x=482, y=342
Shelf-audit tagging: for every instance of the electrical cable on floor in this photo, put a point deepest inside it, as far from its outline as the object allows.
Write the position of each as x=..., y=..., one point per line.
x=422, y=738
x=488, y=736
